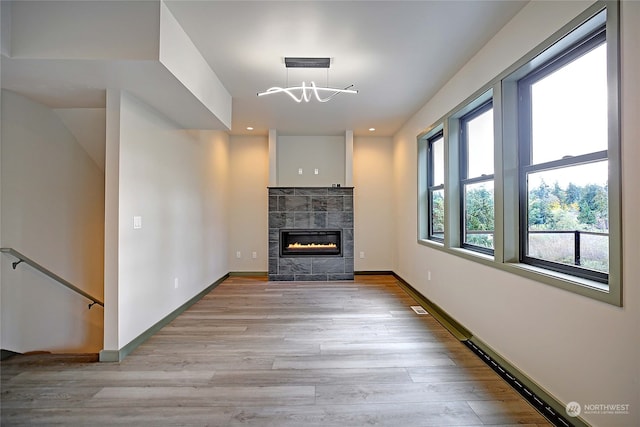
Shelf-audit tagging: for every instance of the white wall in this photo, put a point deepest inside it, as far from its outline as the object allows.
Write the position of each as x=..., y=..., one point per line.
x=5, y=28
x=248, y=203
x=325, y=153
x=183, y=59
x=176, y=182
x=373, y=203
x=87, y=125
x=576, y=348
x=52, y=212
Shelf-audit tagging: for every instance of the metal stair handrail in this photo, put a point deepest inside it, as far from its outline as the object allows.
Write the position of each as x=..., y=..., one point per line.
x=49, y=273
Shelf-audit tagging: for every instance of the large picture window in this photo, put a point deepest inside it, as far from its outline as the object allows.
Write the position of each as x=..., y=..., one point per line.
x=563, y=143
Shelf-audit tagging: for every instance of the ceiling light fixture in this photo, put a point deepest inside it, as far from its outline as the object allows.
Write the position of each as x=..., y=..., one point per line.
x=306, y=92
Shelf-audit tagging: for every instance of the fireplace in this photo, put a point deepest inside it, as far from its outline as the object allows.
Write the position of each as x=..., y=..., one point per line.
x=310, y=233
x=310, y=243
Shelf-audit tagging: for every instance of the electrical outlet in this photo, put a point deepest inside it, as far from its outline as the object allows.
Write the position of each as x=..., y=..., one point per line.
x=361, y=254
x=176, y=283
x=238, y=254
x=429, y=275
x=316, y=171
x=254, y=254
x=299, y=171
x=137, y=222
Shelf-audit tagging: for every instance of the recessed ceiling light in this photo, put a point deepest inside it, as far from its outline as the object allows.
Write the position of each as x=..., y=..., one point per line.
x=372, y=129
x=249, y=128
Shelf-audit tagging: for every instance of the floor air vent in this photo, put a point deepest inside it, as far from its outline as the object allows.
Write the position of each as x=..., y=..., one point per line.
x=418, y=309
x=543, y=407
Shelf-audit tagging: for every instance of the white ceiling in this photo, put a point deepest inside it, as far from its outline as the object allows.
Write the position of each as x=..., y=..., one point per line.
x=397, y=54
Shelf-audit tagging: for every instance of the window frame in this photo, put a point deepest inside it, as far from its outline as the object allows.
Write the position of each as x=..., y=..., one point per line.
x=526, y=165
x=465, y=180
x=431, y=188
x=507, y=236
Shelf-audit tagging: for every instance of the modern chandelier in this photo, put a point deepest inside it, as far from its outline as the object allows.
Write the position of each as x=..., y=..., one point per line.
x=306, y=92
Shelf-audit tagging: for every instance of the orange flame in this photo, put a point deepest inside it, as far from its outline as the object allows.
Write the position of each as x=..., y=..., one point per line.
x=297, y=245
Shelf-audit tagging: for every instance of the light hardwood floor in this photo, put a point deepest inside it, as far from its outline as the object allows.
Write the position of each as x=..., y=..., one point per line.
x=258, y=353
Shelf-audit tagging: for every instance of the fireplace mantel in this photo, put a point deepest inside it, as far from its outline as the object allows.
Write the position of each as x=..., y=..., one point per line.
x=310, y=208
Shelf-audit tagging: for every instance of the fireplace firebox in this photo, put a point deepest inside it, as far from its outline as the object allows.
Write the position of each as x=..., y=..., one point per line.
x=310, y=243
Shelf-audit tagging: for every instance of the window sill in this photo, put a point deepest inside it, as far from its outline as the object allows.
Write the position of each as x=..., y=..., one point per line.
x=577, y=285
x=561, y=280
x=471, y=254
x=462, y=252
x=431, y=243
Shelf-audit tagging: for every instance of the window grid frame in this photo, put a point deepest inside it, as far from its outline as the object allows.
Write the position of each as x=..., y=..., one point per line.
x=437, y=136
x=525, y=151
x=464, y=171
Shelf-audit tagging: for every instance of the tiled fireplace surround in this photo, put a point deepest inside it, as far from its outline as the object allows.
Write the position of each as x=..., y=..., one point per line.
x=311, y=208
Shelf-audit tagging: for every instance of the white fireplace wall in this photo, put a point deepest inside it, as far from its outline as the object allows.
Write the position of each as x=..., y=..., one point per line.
x=373, y=206
x=308, y=153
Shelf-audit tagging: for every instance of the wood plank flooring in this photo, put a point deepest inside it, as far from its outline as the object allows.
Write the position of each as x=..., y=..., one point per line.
x=258, y=353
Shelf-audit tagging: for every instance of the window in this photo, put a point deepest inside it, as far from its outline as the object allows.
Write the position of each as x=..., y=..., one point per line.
x=435, y=186
x=564, y=218
x=532, y=161
x=476, y=179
